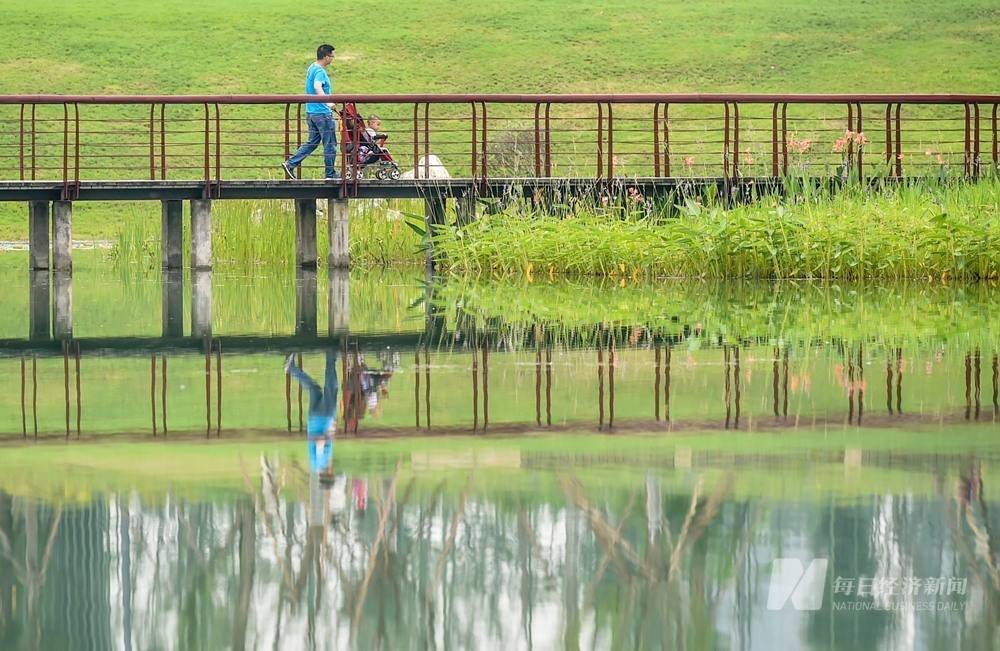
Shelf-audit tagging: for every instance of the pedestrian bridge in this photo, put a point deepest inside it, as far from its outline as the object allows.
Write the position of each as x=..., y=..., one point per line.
x=55, y=150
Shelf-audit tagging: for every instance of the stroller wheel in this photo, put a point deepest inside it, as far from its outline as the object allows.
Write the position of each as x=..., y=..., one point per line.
x=394, y=173
x=381, y=173
x=349, y=173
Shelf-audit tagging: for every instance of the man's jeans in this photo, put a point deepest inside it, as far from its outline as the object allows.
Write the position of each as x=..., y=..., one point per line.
x=322, y=128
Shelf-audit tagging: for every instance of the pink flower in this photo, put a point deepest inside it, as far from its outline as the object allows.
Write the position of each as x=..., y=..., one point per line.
x=689, y=161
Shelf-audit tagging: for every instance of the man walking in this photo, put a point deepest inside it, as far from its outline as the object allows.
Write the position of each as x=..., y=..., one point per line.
x=322, y=127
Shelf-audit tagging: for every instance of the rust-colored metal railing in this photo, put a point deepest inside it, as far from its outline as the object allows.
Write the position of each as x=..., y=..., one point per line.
x=72, y=139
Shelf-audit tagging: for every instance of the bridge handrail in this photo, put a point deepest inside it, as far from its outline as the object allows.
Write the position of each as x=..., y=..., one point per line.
x=457, y=98
x=783, y=146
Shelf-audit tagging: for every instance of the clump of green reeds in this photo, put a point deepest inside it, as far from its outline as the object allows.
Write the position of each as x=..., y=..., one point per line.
x=924, y=229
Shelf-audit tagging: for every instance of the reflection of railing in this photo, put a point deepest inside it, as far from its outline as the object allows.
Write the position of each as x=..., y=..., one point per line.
x=654, y=367
x=214, y=137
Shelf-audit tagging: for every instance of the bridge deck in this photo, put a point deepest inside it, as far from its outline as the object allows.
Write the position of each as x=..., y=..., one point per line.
x=315, y=189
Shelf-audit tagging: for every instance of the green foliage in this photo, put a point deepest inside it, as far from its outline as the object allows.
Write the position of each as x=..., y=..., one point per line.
x=912, y=231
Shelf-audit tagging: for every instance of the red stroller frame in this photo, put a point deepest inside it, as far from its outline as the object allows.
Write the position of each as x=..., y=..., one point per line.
x=363, y=152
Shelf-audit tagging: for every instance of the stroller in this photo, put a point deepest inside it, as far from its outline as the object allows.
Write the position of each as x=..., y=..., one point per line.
x=366, y=155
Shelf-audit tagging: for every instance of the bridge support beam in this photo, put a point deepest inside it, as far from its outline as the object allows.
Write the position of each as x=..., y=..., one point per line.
x=38, y=235
x=339, y=301
x=62, y=304
x=337, y=230
x=305, y=302
x=201, y=304
x=201, y=234
x=305, y=233
x=62, y=235
x=434, y=215
x=172, y=305
x=39, y=307
x=172, y=223
x=465, y=209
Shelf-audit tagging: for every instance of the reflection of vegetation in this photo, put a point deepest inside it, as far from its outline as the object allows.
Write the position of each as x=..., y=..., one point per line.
x=621, y=552
x=785, y=313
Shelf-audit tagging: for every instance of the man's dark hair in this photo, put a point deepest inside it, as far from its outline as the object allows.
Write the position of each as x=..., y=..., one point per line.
x=324, y=51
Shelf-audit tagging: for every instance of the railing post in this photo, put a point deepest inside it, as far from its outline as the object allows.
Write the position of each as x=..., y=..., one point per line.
x=774, y=140
x=600, y=140
x=475, y=136
x=416, y=142
x=725, y=143
x=861, y=147
x=538, y=141
x=611, y=143
x=736, y=140
x=548, y=141
x=656, y=143
x=899, y=143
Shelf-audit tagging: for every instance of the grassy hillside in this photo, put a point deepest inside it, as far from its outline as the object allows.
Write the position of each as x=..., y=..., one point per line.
x=257, y=46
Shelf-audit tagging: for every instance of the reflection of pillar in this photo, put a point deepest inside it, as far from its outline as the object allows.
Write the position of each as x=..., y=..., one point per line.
x=172, y=305
x=62, y=304
x=201, y=304
x=305, y=301
x=315, y=501
x=654, y=508
x=38, y=301
x=339, y=301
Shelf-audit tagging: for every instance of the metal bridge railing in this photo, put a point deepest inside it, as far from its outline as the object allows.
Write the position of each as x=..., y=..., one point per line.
x=71, y=139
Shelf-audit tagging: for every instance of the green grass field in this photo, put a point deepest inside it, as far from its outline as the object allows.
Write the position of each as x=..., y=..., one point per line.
x=179, y=46
x=262, y=46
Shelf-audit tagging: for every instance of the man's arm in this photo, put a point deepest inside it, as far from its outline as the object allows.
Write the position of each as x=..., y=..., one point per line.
x=318, y=87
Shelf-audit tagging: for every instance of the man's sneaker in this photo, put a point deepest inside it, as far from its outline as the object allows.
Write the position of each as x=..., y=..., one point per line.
x=289, y=363
x=335, y=177
x=289, y=171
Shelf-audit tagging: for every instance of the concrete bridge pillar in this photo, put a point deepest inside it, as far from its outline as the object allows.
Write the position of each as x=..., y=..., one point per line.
x=339, y=301
x=201, y=234
x=434, y=215
x=172, y=223
x=62, y=304
x=39, y=307
x=305, y=302
x=172, y=305
x=337, y=230
x=38, y=235
x=465, y=208
x=62, y=235
x=305, y=233
x=201, y=304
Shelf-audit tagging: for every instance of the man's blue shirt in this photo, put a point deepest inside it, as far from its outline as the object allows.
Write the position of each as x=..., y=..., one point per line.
x=315, y=73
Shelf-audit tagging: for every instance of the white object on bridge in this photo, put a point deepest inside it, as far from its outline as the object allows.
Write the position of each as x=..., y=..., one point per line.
x=432, y=168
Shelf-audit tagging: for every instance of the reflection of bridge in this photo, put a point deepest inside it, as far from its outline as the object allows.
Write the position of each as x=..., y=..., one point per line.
x=62, y=149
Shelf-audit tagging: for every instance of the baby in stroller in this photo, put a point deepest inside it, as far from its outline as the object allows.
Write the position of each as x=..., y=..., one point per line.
x=372, y=155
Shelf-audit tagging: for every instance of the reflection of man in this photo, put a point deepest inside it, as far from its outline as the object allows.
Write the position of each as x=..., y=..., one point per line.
x=322, y=421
